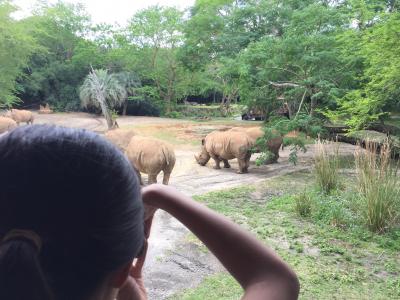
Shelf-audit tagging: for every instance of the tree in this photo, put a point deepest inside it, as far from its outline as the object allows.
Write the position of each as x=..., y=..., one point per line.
x=16, y=46
x=55, y=71
x=225, y=74
x=103, y=91
x=377, y=56
x=131, y=83
x=299, y=62
x=156, y=34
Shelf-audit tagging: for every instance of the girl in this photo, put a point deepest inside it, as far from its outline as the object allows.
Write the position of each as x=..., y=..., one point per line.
x=72, y=223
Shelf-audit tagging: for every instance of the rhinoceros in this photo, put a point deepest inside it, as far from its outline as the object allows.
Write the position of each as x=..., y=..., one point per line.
x=226, y=145
x=151, y=156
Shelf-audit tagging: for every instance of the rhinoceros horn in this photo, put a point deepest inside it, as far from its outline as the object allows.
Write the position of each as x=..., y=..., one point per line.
x=196, y=157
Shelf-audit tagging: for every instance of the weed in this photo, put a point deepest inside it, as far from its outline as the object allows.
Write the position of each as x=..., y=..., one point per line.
x=326, y=166
x=303, y=204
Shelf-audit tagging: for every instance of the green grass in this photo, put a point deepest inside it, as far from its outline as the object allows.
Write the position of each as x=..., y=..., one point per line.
x=332, y=262
x=172, y=138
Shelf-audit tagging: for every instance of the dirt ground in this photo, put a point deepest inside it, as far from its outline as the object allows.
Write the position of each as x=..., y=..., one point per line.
x=174, y=262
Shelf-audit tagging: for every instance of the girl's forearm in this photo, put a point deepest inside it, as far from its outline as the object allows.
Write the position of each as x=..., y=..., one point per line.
x=255, y=267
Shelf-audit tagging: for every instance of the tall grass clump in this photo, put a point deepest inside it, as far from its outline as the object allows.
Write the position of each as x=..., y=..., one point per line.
x=303, y=204
x=326, y=166
x=379, y=186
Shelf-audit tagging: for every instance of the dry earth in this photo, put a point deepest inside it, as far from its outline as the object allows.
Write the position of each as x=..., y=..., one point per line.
x=174, y=262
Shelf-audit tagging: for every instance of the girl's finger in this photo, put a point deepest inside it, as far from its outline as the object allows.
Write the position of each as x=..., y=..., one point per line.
x=136, y=270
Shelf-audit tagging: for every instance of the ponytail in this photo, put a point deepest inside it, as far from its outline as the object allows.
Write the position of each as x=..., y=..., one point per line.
x=82, y=196
x=21, y=275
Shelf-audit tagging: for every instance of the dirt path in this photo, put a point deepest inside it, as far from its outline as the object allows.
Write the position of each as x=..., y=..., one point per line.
x=174, y=263
x=94, y=122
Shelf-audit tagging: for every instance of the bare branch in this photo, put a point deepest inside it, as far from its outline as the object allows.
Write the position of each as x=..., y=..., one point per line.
x=285, y=84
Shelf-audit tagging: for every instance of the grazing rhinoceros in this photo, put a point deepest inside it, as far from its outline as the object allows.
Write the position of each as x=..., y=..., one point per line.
x=6, y=124
x=273, y=145
x=151, y=156
x=226, y=145
x=19, y=116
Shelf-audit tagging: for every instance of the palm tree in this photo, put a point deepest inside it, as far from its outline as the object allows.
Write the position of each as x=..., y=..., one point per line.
x=102, y=90
x=131, y=82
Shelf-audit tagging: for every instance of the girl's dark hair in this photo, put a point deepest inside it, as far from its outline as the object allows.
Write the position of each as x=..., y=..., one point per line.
x=81, y=196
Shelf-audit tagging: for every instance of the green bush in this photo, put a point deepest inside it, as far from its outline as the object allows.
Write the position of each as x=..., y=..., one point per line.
x=326, y=167
x=305, y=126
x=207, y=111
x=379, y=187
x=173, y=115
x=141, y=108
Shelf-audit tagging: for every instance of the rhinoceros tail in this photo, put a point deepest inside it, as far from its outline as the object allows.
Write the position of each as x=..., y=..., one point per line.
x=169, y=157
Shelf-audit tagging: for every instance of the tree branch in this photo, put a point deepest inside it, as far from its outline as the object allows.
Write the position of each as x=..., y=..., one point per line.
x=285, y=84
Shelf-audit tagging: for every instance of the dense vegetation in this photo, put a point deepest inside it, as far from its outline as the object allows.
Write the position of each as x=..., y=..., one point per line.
x=336, y=59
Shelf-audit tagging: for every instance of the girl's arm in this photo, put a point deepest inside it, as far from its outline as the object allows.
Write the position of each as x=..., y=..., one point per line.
x=261, y=273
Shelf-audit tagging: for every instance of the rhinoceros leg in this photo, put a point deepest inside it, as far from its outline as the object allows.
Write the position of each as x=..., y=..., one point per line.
x=217, y=162
x=152, y=178
x=226, y=164
x=166, y=178
x=247, y=165
x=139, y=176
x=242, y=166
x=272, y=160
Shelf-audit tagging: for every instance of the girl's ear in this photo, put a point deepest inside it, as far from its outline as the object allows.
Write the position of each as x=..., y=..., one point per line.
x=119, y=277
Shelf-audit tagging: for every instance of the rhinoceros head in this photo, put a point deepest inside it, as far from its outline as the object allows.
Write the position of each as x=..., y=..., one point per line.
x=203, y=157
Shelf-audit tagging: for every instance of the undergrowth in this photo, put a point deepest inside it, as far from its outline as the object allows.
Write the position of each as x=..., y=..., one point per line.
x=322, y=236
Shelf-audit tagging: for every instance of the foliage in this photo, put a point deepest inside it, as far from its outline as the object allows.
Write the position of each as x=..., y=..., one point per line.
x=53, y=75
x=208, y=111
x=131, y=83
x=173, y=115
x=301, y=126
x=378, y=92
x=378, y=185
x=337, y=58
x=156, y=32
x=16, y=46
x=142, y=108
x=104, y=91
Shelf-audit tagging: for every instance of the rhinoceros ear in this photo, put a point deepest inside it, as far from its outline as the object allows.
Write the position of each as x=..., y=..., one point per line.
x=203, y=141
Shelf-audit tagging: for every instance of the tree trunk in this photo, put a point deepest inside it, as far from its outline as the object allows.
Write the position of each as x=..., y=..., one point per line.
x=290, y=111
x=168, y=100
x=107, y=114
x=301, y=103
x=103, y=104
x=125, y=108
x=313, y=106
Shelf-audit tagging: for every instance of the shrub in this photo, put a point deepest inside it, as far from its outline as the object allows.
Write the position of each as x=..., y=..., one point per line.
x=304, y=125
x=326, y=166
x=379, y=187
x=303, y=204
x=173, y=115
x=142, y=108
